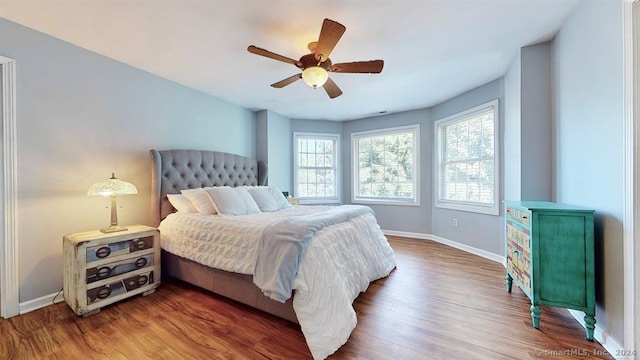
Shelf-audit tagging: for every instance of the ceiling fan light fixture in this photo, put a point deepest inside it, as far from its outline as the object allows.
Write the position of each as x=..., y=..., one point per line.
x=315, y=76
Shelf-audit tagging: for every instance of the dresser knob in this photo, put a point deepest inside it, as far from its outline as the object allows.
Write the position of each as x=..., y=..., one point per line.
x=103, y=252
x=104, y=271
x=141, y=262
x=104, y=292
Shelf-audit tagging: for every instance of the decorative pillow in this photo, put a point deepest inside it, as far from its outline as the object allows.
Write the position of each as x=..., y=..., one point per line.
x=268, y=198
x=279, y=197
x=181, y=203
x=232, y=200
x=200, y=200
x=262, y=196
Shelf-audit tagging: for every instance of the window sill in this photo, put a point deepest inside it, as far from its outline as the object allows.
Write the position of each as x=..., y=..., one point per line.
x=385, y=202
x=478, y=209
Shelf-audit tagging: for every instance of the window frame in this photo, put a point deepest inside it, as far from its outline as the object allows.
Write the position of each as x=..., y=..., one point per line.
x=469, y=206
x=336, y=166
x=355, y=136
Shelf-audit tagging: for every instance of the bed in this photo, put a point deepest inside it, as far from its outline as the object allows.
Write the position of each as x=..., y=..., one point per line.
x=321, y=301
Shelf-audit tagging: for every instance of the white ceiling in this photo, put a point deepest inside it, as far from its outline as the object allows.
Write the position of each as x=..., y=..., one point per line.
x=433, y=49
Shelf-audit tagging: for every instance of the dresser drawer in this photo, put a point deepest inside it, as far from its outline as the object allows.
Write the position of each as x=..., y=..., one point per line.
x=134, y=283
x=112, y=269
x=105, y=251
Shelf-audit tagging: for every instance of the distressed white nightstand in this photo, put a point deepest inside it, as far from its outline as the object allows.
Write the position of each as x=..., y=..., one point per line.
x=100, y=269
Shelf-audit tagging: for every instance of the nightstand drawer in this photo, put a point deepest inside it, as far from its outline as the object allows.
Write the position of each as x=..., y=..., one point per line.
x=112, y=269
x=135, y=282
x=104, y=251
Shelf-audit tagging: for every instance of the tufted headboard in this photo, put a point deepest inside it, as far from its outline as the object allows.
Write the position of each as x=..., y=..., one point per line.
x=175, y=170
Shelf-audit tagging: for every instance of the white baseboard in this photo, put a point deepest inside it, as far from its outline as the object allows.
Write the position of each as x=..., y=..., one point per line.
x=39, y=303
x=470, y=249
x=600, y=335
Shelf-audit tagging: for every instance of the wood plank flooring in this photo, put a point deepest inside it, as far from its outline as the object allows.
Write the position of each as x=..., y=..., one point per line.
x=440, y=303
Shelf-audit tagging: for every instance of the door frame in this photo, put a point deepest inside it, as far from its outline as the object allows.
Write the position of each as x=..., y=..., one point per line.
x=631, y=211
x=9, y=291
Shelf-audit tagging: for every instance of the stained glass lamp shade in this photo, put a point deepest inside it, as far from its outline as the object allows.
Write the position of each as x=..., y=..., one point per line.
x=113, y=188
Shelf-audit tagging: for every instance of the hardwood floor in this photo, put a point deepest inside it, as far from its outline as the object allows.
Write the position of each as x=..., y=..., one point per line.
x=440, y=303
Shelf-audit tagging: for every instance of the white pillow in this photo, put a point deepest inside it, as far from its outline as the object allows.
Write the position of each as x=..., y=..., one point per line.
x=200, y=200
x=268, y=198
x=279, y=197
x=181, y=203
x=262, y=196
x=232, y=200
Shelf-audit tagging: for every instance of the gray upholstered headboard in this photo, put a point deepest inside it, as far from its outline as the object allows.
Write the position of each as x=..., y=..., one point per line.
x=175, y=170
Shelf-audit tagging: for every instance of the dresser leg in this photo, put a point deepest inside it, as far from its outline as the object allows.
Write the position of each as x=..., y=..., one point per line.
x=535, y=316
x=509, y=282
x=590, y=324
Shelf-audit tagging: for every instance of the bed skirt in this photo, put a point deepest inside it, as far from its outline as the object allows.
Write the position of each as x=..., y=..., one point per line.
x=238, y=287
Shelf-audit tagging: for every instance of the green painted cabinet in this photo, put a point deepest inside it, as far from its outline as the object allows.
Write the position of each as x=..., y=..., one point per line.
x=549, y=249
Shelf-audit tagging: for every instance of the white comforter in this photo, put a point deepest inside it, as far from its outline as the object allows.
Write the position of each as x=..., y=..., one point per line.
x=339, y=263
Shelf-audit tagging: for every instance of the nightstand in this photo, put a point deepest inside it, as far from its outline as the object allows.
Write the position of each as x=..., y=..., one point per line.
x=102, y=268
x=293, y=201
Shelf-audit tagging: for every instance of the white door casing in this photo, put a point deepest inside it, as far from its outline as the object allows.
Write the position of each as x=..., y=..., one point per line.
x=9, y=295
x=631, y=214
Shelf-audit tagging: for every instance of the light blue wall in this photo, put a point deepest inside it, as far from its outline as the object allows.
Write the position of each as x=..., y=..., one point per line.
x=80, y=117
x=476, y=230
x=408, y=219
x=262, y=140
x=528, y=137
x=535, y=116
x=280, y=151
x=589, y=169
x=512, y=144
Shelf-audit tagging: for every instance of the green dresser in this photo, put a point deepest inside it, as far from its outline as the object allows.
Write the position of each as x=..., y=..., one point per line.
x=549, y=249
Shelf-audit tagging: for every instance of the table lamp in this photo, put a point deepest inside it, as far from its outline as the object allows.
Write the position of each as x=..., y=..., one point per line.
x=113, y=187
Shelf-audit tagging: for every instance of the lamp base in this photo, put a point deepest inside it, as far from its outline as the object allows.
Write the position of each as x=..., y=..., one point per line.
x=113, y=228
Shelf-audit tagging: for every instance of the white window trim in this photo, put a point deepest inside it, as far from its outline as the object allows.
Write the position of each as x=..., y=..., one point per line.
x=338, y=185
x=490, y=209
x=416, y=166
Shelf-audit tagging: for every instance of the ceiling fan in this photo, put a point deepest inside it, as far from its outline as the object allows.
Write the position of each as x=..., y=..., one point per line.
x=316, y=65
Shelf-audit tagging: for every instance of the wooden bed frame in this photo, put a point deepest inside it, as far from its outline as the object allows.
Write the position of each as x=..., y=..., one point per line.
x=175, y=170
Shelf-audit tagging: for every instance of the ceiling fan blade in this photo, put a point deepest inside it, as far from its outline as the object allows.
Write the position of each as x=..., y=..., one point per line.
x=372, y=66
x=332, y=89
x=330, y=33
x=287, y=81
x=266, y=53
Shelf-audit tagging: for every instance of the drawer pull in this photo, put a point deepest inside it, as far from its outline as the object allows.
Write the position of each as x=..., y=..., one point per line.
x=141, y=262
x=104, y=271
x=143, y=280
x=139, y=244
x=103, y=252
x=104, y=292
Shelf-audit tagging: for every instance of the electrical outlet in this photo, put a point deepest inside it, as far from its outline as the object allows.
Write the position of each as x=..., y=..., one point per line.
x=455, y=222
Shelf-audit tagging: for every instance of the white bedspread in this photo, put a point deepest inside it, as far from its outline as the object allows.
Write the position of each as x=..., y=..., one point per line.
x=339, y=263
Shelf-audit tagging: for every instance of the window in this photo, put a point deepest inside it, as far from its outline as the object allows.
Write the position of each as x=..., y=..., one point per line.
x=385, y=166
x=315, y=162
x=467, y=157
